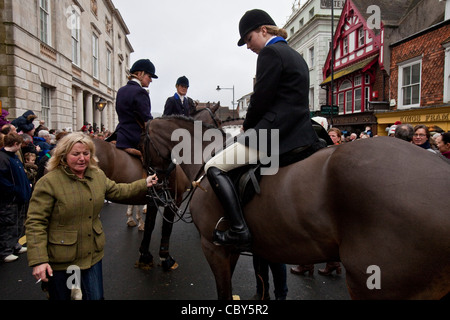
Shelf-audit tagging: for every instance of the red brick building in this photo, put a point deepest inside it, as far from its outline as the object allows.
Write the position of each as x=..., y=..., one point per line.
x=366, y=74
x=419, y=76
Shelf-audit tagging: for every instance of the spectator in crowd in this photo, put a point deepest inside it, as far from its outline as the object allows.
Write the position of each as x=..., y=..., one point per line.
x=364, y=135
x=43, y=141
x=404, y=132
x=443, y=144
x=15, y=193
x=335, y=135
x=261, y=267
x=30, y=167
x=353, y=137
x=3, y=118
x=7, y=128
x=421, y=137
x=24, y=123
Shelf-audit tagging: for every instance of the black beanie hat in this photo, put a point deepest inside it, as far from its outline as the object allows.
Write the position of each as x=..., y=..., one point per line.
x=251, y=20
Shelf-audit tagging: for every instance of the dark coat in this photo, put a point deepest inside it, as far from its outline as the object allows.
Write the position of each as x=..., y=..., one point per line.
x=14, y=183
x=174, y=106
x=132, y=105
x=281, y=98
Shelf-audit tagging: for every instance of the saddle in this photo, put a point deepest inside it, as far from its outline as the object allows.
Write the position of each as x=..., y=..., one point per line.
x=246, y=179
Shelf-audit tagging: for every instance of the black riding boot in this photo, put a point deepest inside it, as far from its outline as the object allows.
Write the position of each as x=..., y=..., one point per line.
x=238, y=235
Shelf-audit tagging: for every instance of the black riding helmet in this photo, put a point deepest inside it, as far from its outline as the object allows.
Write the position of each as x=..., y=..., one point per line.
x=251, y=20
x=144, y=65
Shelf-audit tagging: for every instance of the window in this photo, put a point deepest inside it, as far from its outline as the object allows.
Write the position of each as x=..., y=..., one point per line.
x=341, y=102
x=45, y=104
x=311, y=13
x=108, y=67
x=361, y=37
x=345, y=46
x=44, y=11
x=366, y=98
x=76, y=39
x=94, y=56
x=348, y=101
x=357, y=100
x=311, y=57
x=409, y=84
x=302, y=22
x=311, y=99
x=292, y=31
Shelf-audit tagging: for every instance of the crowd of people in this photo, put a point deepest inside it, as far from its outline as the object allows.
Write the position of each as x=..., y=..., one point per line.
x=436, y=140
x=24, y=152
x=69, y=158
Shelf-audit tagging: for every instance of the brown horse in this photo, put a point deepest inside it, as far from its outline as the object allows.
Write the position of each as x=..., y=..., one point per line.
x=380, y=206
x=120, y=166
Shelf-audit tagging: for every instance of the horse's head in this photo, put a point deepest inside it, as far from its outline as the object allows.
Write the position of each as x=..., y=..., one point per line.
x=180, y=140
x=208, y=115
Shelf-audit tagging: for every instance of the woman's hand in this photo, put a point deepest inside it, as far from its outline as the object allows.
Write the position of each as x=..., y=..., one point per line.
x=152, y=180
x=40, y=272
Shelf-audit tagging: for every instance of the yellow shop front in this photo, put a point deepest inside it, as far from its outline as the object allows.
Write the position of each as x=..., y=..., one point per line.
x=433, y=117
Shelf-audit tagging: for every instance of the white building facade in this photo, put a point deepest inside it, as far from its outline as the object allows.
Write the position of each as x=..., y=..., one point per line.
x=309, y=33
x=64, y=60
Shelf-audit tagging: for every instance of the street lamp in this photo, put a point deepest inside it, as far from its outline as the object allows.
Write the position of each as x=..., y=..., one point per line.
x=219, y=88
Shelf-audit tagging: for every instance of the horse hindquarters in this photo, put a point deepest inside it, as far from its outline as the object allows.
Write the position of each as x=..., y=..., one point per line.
x=394, y=222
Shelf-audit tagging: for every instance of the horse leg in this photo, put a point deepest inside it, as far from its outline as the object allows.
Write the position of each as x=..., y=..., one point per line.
x=222, y=264
x=167, y=262
x=146, y=259
x=139, y=212
x=130, y=220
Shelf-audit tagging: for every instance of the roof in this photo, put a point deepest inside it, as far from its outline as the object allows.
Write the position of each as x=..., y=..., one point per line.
x=351, y=68
x=392, y=12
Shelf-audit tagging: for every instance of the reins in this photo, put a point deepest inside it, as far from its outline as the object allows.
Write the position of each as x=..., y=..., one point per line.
x=160, y=194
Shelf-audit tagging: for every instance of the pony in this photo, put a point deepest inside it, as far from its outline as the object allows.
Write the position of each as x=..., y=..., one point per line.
x=380, y=206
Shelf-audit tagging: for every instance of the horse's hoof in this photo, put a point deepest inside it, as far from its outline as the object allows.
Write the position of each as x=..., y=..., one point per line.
x=143, y=266
x=131, y=223
x=145, y=261
x=169, y=264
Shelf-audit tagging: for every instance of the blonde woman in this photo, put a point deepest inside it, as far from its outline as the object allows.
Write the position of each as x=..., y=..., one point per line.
x=63, y=228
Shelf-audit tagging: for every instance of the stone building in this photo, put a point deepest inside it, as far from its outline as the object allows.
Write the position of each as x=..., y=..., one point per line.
x=64, y=60
x=309, y=33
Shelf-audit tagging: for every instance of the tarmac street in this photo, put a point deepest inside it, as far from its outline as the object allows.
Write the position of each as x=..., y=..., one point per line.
x=192, y=280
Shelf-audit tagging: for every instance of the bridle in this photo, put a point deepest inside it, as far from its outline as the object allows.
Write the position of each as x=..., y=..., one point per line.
x=160, y=194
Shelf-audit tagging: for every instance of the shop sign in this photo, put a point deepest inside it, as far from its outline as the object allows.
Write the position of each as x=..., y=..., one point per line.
x=437, y=117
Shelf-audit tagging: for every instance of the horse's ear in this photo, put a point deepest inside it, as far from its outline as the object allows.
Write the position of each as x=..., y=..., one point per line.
x=215, y=107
